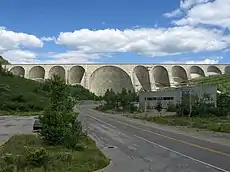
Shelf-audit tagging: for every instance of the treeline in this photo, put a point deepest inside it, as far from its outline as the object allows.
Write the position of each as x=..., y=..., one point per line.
x=121, y=101
x=202, y=107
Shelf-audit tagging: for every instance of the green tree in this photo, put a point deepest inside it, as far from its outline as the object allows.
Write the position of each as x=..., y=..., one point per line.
x=123, y=98
x=111, y=98
x=158, y=106
x=59, y=124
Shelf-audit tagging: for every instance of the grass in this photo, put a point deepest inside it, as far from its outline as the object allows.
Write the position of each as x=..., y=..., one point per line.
x=222, y=82
x=87, y=160
x=21, y=96
x=216, y=124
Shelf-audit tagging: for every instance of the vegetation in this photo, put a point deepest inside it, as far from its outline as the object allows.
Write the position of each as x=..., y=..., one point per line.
x=159, y=106
x=198, y=112
x=60, y=145
x=59, y=124
x=19, y=96
x=222, y=82
x=122, y=101
x=29, y=153
x=3, y=61
x=212, y=123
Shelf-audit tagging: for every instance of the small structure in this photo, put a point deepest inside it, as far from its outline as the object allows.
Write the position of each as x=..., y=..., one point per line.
x=148, y=100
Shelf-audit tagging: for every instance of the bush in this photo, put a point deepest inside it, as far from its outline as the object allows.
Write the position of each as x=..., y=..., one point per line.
x=18, y=98
x=7, y=163
x=171, y=108
x=158, y=106
x=37, y=157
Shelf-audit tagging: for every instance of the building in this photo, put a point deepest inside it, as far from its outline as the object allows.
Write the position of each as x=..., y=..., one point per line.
x=149, y=100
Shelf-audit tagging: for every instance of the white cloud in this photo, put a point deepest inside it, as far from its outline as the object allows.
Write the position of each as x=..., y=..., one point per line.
x=11, y=43
x=209, y=60
x=48, y=39
x=72, y=57
x=18, y=56
x=184, y=6
x=13, y=40
x=175, y=13
x=187, y=4
x=205, y=61
x=146, y=41
x=216, y=13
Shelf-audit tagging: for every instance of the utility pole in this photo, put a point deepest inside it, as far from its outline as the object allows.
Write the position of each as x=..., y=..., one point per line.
x=190, y=102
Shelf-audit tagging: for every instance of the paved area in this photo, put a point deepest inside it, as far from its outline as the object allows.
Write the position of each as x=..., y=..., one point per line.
x=136, y=146
x=10, y=125
x=141, y=148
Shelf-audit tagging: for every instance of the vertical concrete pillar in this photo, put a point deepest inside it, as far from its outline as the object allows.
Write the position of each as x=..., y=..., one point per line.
x=67, y=71
x=26, y=73
x=46, y=73
x=171, y=80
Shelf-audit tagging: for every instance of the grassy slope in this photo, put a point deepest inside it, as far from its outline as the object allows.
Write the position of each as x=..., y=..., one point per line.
x=90, y=159
x=20, y=94
x=222, y=82
x=3, y=61
x=12, y=87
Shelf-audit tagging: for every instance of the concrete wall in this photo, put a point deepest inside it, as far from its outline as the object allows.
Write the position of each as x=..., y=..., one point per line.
x=100, y=77
x=150, y=99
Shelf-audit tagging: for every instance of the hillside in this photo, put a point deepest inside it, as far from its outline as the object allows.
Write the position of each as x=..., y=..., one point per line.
x=20, y=94
x=222, y=82
x=3, y=61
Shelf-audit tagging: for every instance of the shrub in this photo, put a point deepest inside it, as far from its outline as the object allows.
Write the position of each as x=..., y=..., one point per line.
x=37, y=157
x=18, y=98
x=158, y=106
x=7, y=163
x=171, y=108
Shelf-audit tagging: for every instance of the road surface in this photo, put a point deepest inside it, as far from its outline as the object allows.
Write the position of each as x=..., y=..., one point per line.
x=11, y=125
x=135, y=147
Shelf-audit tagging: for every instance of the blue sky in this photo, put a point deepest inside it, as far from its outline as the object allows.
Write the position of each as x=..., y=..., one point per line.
x=121, y=31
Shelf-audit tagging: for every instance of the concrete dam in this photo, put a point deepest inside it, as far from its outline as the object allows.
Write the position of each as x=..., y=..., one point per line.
x=100, y=77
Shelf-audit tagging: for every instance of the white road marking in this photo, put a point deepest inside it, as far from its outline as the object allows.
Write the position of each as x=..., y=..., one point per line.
x=141, y=138
x=181, y=154
x=211, y=141
x=108, y=125
x=172, y=138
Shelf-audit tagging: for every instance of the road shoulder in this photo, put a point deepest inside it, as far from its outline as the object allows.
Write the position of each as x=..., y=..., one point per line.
x=215, y=137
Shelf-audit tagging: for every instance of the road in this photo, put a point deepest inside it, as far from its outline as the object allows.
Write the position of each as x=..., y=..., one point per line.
x=135, y=147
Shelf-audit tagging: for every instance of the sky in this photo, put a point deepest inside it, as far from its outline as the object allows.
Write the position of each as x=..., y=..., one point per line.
x=115, y=31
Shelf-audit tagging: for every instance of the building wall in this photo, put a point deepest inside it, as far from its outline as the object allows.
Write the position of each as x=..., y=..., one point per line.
x=100, y=77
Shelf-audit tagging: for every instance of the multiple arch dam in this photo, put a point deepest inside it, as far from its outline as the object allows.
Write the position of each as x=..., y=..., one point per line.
x=100, y=77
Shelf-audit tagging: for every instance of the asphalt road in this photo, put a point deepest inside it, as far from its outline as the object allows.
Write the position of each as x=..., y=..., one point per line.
x=140, y=148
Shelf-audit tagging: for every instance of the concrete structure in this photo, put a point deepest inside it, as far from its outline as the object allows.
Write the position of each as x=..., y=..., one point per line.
x=148, y=100
x=99, y=77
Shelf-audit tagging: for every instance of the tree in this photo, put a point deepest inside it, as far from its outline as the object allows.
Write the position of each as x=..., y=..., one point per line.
x=59, y=124
x=158, y=106
x=111, y=98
